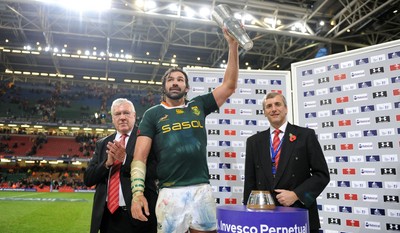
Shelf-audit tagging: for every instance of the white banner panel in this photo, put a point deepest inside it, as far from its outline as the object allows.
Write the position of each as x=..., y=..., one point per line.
x=352, y=100
x=240, y=117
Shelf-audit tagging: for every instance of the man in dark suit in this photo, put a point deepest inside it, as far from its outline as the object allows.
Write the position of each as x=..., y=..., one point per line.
x=295, y=172
x=112, y=155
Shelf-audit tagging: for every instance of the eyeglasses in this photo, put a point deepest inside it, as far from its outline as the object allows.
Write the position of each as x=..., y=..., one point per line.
x=119, y=114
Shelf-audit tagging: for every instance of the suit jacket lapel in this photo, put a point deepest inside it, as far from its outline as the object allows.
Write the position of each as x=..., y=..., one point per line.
x=286, y=152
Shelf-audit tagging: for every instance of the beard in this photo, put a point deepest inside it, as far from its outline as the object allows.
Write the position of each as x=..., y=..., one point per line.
x=175, y=96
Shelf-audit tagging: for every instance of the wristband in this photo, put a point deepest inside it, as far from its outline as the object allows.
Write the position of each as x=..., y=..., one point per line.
x=138, y=173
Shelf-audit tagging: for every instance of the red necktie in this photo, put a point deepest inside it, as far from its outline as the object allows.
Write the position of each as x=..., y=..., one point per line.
x=275, y=144
x=113, y=187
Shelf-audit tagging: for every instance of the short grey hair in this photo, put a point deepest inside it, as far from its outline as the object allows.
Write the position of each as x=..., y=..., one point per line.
x=272, y=95
x=120, y=101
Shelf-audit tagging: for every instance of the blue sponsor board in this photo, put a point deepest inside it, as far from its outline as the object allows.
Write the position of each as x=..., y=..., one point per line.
x=238, y=218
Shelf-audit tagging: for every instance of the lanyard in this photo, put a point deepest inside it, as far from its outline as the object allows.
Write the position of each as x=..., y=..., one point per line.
x=274, y=153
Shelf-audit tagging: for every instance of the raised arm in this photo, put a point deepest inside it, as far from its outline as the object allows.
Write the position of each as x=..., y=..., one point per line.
x=229, y=84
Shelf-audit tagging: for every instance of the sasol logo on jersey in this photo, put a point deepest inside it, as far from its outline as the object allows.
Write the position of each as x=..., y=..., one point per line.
x=181, y=126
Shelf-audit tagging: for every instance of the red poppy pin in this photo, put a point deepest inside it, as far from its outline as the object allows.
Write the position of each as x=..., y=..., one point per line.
x=292, y=137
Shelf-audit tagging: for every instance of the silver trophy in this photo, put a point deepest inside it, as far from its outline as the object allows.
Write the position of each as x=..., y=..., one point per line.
x=260, y=200
x=223, y=16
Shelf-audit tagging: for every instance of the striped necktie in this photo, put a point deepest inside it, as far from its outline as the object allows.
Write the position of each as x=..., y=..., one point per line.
x=113, y=187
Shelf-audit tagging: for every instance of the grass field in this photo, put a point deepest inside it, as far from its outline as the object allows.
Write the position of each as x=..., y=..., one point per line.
x=31, y=212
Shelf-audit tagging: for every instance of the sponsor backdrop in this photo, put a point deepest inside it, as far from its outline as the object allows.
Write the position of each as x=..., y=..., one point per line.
x=352, y=100
x=240, y=117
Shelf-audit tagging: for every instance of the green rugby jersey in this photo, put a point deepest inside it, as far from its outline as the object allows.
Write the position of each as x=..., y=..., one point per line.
x=179, y=140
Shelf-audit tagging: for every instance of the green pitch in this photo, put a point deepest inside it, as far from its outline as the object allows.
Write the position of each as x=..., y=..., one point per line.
x=23, y=212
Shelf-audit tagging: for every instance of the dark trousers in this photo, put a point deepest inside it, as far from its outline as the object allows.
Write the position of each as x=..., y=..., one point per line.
x=121, y=221
x=118, y=222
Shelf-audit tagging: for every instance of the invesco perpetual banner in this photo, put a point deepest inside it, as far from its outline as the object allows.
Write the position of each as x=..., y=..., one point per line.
x=238, y=219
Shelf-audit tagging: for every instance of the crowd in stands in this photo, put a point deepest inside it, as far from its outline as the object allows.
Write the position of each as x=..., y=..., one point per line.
x=42, y=178
x=57, y=102
x=82, y=145
x=67, y=102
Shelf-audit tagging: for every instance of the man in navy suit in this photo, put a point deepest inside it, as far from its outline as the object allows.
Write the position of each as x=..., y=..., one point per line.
x=295, y=172
x=108, y=151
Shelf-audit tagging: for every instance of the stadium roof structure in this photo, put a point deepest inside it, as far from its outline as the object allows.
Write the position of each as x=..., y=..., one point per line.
x=134, y=44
